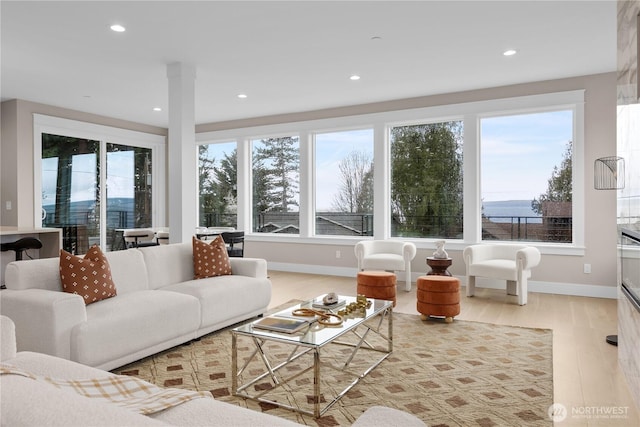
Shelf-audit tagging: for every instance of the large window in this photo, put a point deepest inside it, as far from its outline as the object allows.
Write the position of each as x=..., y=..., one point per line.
x=527, y=177
x=426, y=180
x=276, y=178
x=507, y=169
x=217, y=179
x=344, y=183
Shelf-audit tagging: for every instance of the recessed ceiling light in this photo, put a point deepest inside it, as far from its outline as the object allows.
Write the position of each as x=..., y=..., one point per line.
x=242, y=95
x=157, y=109
x=355, y=77
x=509, y=52
x=118, y=28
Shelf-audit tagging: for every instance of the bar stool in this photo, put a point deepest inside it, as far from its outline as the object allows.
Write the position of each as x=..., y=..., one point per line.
x=21, y=245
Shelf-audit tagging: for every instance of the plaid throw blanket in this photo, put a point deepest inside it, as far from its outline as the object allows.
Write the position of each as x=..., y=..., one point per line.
x=128, y=392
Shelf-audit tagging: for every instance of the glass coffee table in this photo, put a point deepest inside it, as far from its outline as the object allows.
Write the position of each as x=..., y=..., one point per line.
x=274, y=362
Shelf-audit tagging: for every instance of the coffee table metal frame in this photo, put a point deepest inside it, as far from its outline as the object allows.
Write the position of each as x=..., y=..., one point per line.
x=311, y=341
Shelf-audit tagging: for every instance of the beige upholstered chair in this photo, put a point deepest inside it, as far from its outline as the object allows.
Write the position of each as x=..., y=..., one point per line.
x=388, y=255
x=509, y=262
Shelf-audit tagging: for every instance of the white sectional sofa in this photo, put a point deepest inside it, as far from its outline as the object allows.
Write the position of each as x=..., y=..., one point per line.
x=32, y=402
x=158, y=305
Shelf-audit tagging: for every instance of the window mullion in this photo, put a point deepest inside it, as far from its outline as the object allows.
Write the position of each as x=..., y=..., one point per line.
x=307, y=194
x=472, y=220
x=102, y=191
x=381, y=182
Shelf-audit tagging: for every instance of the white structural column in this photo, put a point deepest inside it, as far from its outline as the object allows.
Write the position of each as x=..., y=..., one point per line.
x=182, y=151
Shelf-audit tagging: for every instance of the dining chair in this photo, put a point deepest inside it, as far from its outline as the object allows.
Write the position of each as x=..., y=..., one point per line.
x=235, y=243
x=139, y=237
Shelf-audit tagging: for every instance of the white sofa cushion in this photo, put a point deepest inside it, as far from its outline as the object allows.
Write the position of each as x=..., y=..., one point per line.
x=381, y=416
x=126, y=271
x=219, y=304
x=168, y=264
x=26, y=402
x=36, y=273
x=121, y=326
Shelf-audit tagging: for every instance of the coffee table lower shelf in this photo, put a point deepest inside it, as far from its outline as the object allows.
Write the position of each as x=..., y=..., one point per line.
x=277, y=377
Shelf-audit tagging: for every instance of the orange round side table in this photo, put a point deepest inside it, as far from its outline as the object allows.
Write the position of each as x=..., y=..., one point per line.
x=438, y=296
x=377, y=285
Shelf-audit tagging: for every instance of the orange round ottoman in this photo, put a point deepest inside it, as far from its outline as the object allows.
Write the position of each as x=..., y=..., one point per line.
x=377, y=285
x=438, y=296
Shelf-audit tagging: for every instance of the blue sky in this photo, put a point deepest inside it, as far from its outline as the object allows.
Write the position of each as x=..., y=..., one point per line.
x=83, y=186
x=520, y=152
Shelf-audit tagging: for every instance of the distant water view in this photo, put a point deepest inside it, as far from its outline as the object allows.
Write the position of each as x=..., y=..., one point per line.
x=498, y=211
x=509, y=209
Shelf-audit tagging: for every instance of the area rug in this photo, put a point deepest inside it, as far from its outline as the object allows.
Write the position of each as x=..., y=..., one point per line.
x=447, y=374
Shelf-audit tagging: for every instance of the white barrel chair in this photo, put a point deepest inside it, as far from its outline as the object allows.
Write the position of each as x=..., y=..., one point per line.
x=387, y=255
x=509, y=262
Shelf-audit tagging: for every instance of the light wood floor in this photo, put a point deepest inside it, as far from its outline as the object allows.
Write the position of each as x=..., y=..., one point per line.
x=586, y=375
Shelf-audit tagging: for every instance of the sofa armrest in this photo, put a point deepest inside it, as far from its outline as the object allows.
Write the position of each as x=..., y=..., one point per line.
x=43, y=319
x=7, y=339
x=252, y=267
x=381, y=416
x=528, y=258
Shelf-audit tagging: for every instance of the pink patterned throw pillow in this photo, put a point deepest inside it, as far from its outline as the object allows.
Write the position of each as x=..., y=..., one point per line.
x=210, y=259
x=89, y=277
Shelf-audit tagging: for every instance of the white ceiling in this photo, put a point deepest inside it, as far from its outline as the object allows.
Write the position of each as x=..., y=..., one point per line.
x=290, y=56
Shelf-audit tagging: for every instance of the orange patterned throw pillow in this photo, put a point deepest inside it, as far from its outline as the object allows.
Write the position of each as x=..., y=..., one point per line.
x=89, y=277
x=210, y=259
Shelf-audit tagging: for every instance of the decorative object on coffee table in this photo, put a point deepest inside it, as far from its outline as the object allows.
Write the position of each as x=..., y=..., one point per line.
x=377, y=284
x=438, y=296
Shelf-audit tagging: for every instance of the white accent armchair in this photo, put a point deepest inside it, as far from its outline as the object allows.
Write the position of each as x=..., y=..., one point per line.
x=388, y=255
x=509, y=262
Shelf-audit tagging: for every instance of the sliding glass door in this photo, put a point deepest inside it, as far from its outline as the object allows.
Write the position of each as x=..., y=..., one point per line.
x=96, y=181
x=70, y=189
x=128, y=191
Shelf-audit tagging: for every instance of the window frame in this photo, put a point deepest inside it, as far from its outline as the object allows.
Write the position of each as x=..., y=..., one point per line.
x=259, y=137
x=469, y=112
x=580, y=166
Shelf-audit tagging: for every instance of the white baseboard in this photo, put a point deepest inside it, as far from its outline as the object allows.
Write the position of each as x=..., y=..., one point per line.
x=575, y=289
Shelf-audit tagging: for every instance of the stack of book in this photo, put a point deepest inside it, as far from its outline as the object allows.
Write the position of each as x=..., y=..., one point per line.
x=284, y=324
